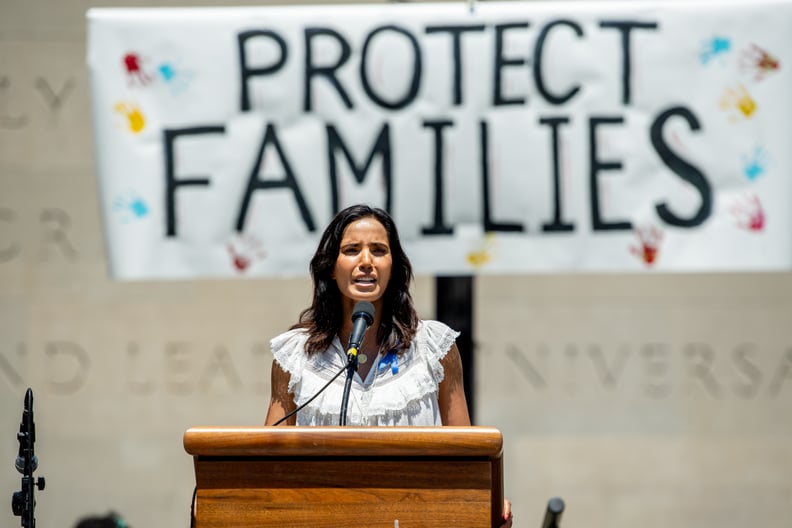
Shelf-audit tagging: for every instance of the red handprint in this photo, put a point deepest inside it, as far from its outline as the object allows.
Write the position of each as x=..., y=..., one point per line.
x=134, y=69
x=650, y=238
x=749, y=213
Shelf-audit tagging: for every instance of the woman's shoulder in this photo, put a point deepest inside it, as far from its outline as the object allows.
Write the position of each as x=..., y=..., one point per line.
x=434, y=338
x=288, y=350
x=431, y=343
x=431, y=330
x=289, y=340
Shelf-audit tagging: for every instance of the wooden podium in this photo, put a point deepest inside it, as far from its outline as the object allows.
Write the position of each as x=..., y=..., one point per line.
x=334, y=477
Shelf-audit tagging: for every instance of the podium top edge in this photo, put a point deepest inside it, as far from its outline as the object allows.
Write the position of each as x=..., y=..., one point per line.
x=264, y=441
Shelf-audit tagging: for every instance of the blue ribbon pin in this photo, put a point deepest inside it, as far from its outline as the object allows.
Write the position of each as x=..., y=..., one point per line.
x=389, y=360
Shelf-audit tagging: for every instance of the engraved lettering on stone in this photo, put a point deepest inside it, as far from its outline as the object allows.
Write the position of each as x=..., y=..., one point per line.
x=67, y=367
x=9, y=249
x=53, y=99
x=7, y=120
x=12, y=371
x=138, y=371
x=220, y=367
x=782, y=374
x=701, y=359
x=750, y=375
x=657, y=359
x=56, y=223
x=179, y=373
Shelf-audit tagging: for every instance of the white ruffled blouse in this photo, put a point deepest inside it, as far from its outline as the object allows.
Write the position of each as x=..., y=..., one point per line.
x=399, y=390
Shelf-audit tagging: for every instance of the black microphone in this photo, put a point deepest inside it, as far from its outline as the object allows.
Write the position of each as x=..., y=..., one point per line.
x=362, y=318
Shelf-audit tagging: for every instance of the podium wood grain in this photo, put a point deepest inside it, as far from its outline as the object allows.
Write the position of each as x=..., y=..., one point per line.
x=328, y=477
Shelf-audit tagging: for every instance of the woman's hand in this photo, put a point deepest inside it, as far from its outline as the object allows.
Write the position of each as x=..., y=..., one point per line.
x=508, y=517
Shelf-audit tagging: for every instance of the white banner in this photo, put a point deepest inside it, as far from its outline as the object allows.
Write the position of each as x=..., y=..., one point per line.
x=520, y=137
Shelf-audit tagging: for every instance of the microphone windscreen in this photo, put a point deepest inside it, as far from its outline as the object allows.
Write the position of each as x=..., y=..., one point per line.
x=365, y=309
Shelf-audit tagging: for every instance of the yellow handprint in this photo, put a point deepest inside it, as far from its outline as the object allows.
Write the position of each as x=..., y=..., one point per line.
x=739, y=99
x=134, y=116
x=479, y=257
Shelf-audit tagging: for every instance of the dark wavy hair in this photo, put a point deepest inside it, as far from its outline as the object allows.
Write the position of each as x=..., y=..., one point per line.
x=322, y=320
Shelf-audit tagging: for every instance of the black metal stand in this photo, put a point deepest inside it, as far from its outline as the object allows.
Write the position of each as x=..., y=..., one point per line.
x=351, y=368
x=555, y=507
x=23, y=502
